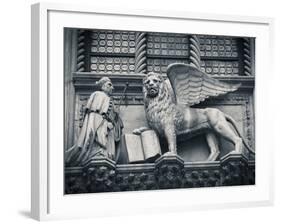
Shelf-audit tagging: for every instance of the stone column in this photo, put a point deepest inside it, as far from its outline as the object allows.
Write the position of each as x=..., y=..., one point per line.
x=194, y=51
x=81, y=51
x=248, y=56
x=140, y=53
x=70, y=54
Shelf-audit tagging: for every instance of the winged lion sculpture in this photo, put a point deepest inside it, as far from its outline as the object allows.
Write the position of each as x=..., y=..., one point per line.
x=168, y=107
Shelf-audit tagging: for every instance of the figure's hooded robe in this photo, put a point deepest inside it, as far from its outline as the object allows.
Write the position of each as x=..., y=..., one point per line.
x=99, y=131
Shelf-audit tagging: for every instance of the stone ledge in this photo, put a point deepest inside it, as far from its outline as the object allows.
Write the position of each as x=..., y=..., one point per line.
x=87, y=79
x=168, y=172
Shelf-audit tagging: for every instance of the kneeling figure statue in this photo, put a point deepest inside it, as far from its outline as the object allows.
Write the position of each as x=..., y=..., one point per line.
x=101, y=130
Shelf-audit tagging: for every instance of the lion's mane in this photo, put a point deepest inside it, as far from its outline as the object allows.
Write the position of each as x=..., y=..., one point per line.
x=161, y=111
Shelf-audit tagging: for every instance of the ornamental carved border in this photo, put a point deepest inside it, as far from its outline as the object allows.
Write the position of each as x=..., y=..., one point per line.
x=168, y=172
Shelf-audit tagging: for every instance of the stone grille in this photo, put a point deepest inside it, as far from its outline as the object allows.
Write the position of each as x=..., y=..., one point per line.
x=115, y=52
x=167, y=44
x=113, y=42
x=214, y=46
x=112, y=64
x=160, y=65
x=220, y=67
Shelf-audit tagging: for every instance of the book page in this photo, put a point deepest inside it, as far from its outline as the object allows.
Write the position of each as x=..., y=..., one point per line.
x=134, y=148
x=150, y=144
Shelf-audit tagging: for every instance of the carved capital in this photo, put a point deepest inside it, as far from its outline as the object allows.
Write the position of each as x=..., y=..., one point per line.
x=169, y=171
x=100, y=173
x=75, y=181
x=252, y=172
x=235, y=170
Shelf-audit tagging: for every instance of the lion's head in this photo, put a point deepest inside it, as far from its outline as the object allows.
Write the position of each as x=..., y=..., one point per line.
x=152, y=83
x=158, y=102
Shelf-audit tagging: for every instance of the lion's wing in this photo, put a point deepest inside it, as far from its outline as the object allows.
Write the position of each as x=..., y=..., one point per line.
x=192, y=86
x=171, y=90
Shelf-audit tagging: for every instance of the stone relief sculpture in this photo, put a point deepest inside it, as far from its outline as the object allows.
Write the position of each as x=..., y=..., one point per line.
x=144, y=160
x=169, y=112
x=102, y=128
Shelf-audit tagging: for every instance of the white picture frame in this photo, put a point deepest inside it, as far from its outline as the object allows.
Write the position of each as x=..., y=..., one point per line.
x=48, y=200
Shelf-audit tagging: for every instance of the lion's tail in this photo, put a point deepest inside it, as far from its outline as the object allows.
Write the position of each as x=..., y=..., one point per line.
x=233, y=123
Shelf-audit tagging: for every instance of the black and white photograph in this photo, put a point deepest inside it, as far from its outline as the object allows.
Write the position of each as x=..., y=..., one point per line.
x=157, y=110
x=140, y=112
x=146, y=112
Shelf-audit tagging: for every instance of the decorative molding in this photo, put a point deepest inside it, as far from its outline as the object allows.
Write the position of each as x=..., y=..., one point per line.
x=100, y=175
x=86, y=81
x=249, y=123
x=75, y=181
x=203, y=177
x=70, y=59
x=235, y=170
x=134, y=181
x=168, y=172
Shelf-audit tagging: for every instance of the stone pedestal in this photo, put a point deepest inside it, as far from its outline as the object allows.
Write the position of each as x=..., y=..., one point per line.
x=100, y=174
x=252, y=172
x=234, y=169
x=169, y=171
x=74, y=181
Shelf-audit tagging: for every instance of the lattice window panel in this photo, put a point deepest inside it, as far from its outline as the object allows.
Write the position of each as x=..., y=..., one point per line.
x=162, y=44
x=113, y=42
x=160, y=65
x=215, y=46
x=112, y=51
x=227, y=68
x=101, y=64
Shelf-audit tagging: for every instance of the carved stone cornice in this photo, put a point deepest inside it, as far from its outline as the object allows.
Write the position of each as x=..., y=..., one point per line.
x=86, y=81
x=167, y=172
x=235, y=170
x=99, y=174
